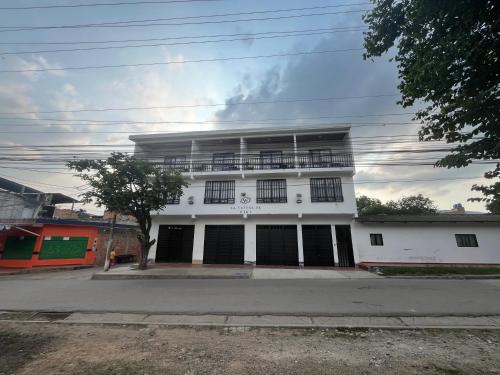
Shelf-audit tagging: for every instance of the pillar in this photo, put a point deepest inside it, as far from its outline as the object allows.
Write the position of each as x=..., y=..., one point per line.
x=300, y=245
x=335, y=248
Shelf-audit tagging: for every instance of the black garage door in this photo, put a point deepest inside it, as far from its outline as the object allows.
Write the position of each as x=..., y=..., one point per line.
x=224, y=244
x=277, y=245
x=175, y=244
x=318, y=245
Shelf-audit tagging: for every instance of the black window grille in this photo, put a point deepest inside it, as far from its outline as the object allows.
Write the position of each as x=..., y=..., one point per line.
x=271, y=191
x=219, y=192
x=466, y=240
x=271, y=159
x=326, y=190
x=177, y=163
x=376, y=239
x=320, y=158
x=224, y=162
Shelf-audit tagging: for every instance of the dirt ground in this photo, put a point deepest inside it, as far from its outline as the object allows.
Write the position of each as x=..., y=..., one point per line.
x=33, y=349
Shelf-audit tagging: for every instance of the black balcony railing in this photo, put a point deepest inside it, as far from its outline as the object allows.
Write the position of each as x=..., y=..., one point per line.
x=257, y=162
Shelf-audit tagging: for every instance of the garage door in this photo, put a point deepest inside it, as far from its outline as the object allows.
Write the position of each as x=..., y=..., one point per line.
x=318, y=245
x=224, y=244
x=175, y=244
x=277, y=245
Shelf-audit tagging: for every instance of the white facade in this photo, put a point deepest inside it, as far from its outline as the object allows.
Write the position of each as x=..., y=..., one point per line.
x=435, y=242
x=250, y=156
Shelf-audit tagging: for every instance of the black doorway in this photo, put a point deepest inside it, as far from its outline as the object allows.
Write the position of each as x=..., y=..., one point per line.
x=317, y=245
x=344, y=245
x=224, y=244
x=277, y=245
x=175, y=244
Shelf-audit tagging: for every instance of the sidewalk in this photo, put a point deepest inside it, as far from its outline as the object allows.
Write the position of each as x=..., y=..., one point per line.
x=275, y=321
x=230, y=272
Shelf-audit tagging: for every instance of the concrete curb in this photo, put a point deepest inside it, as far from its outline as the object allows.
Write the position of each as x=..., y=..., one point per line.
x=451, y=277
x=24, y=271
x=259, y=321
x=165, y=277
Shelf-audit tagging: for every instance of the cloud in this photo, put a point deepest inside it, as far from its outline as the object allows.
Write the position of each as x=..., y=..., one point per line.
x=344, y=75
x=34, y=63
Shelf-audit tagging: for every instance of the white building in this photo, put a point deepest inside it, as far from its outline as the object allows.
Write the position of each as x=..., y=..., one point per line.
x=430, y=239
x=257, y=196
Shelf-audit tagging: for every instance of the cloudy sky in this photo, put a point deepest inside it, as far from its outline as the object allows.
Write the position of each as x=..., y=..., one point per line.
x=60, y=107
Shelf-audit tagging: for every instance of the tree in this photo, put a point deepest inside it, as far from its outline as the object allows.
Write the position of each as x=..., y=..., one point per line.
x=130, y=186
x=448, y=58
x=411, y=205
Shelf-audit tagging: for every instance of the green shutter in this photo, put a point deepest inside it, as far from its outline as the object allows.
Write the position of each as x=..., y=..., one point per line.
x=19, y=247
x=59, y=248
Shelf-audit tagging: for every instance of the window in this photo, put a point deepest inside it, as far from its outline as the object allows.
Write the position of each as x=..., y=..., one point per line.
x=271, y=191
x=224, y=161
x=466, y=240
x=177, y=163
x=219, y=192
x=271, y=159
x=376, y=239
x=326, y=190
x=320, y=158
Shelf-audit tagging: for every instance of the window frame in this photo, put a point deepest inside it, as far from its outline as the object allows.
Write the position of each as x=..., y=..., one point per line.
x=176, y=162
x=271, y=159
x=326, y=189
x=219, y=192
x=272, y=191
x=466, y=240
x=224, y=161
x=376, y=239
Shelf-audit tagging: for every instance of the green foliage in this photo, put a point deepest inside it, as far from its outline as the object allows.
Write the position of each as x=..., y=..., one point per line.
x=130, y=186
x=448, y=58
x=411, y=205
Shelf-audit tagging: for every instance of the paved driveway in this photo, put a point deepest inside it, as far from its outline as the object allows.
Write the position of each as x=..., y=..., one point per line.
x=74, y=291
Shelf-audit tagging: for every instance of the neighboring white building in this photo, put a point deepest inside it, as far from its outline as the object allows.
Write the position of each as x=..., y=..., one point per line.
x=257, y=196
x=430, y=239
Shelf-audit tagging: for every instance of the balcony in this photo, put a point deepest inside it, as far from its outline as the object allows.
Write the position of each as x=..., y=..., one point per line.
x=262, y=162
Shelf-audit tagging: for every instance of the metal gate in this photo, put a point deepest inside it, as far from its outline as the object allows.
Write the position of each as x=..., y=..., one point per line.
x=317, y=245
x=277, y=245
x=175, y=244
x=344, y=245
x=224, y=244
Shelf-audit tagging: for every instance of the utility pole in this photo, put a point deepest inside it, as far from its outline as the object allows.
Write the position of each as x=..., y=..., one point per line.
x=110, y=242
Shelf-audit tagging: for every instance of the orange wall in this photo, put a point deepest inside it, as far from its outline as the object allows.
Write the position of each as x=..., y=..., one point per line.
x=54, y=231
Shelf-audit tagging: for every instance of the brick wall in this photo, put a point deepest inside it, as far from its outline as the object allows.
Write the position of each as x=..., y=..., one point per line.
x=125, y=242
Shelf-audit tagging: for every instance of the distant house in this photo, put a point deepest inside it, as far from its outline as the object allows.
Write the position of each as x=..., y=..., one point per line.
x=35, y=233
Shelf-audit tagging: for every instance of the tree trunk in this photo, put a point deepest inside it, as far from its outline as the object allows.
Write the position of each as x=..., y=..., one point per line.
x=143, y=261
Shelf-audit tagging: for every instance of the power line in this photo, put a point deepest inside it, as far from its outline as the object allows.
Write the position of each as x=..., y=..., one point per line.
x=54, y=6
x=302, y=53
x=106, y=48
x=189, y=23
x=277, y=101
x=360, y=27
x=216, y=15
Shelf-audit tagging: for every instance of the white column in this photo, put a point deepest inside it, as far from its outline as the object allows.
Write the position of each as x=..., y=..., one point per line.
x=335, y=248
x=300, y=245
x=296, y=157
x=242, y=151
x=354, y=238
x=250, y=243
x=198, y=243
x=193, y=146
x=153, y=234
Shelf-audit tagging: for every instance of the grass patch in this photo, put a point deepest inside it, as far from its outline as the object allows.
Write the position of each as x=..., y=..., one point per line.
x=438, y=271
x=18, y=349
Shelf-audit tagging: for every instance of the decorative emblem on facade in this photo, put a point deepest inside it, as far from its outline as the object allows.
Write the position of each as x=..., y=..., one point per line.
x=245, y=200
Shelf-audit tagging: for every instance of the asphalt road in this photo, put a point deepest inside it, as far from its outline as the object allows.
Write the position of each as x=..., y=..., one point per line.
x=74, y=291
